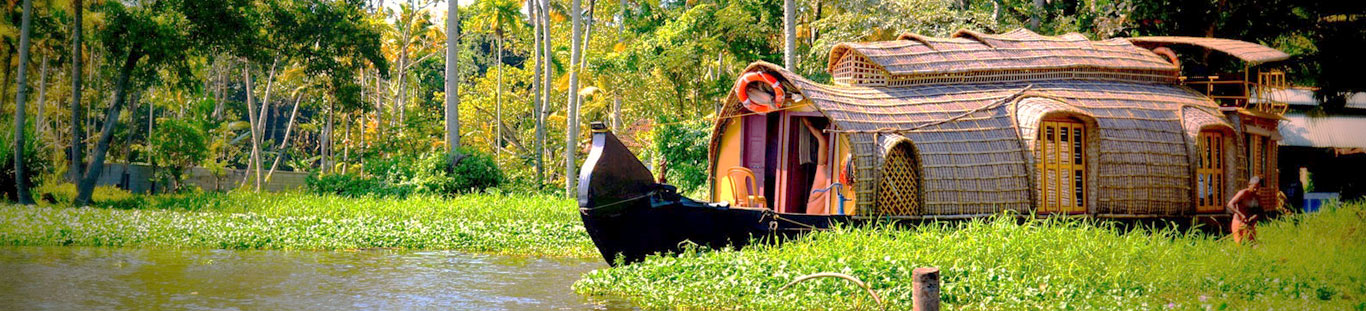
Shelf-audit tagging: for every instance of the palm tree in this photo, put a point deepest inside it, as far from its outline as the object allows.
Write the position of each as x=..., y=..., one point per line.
x=495, y=16
x=789, y=35
x=546, y=88
x=533, y=6
x=408, y=39
x=77, y=141
x=452, y=83
x=20, y=183
x=572, y=122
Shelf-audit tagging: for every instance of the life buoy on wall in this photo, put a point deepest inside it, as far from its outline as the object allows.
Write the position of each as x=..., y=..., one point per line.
x=755, y=106
x=1171, y=56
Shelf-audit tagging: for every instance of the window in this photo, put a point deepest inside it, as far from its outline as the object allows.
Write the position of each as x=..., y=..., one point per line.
x=1256, y=156
x=1209, y=172
x=898, y=193
x=1062, y=166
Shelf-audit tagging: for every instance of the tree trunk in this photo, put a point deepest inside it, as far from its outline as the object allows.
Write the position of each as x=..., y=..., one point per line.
x=379, y=111
x=327, y=138
x=616, y=93
x=77, y=137
x=40, y=124
x=284, y=143
x=1036, y=15
x=133, y=127
x=549, y=71
x=572, y=123
x=252, y=118
x=790, y=35
x=20, y=98
x=111, y=119
x=346, y=143
x=452, y=85
x=262, y=120
x=538, y=57
x=498, y=102
x=588, y=27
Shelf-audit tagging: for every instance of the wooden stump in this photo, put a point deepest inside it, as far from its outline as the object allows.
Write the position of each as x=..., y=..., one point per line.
x=925, y=286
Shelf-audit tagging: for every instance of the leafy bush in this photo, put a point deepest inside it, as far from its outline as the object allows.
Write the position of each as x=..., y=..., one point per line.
x=178, y=145
x=62, y=194
x=684, y=147
x=34, y=163
x=404, y=175
x=475, y=172
x=352, y=185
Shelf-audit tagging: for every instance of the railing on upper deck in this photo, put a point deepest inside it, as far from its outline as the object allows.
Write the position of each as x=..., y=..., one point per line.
x=1266, y=94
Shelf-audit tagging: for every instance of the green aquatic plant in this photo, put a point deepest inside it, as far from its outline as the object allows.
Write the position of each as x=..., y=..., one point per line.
x=485, y=223
x=1314, y=261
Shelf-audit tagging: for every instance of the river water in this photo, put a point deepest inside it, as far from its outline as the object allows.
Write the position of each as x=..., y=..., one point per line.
x=81, y=278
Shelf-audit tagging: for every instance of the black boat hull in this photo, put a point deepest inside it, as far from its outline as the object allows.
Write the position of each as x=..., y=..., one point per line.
x=629, y=216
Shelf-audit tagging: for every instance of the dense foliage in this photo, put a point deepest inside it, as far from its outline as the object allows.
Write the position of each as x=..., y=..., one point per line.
x=34, y=160
x=63, y=194
x=683, y=148
x=1310, y=261
x=532, y=225
x=401, y=176
x=177, y=146
x=338, y=86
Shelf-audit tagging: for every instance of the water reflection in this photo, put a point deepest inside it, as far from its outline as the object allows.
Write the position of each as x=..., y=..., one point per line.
x=71, y=278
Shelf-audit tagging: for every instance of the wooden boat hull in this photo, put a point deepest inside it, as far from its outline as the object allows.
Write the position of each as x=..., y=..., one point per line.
x=629, y=216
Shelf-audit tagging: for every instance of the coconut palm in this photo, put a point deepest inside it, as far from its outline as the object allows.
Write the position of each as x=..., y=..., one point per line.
x=452, y=83
x=790, y=35
x=20, y=97
x=496, y=17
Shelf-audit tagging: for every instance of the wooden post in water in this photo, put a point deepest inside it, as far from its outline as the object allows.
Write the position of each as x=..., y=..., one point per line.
x=925, y=289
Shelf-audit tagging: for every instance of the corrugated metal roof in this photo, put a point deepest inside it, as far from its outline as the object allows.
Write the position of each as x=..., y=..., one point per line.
x=1305, y=98
x=1324, y=132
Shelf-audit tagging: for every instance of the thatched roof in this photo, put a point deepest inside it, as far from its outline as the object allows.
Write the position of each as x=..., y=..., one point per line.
x=916, y=59
x=1249, y=52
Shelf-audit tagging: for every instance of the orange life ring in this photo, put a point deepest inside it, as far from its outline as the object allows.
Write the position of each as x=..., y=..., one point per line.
x=761, y=77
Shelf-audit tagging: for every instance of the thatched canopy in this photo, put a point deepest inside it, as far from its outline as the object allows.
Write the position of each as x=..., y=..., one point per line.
x=1249, y=52
x=974, y=141
x=975, y=57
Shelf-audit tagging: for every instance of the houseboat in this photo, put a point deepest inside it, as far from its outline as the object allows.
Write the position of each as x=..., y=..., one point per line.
x=926, y=128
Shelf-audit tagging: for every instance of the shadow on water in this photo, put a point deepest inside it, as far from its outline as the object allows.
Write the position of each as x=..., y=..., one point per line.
x=74, y=278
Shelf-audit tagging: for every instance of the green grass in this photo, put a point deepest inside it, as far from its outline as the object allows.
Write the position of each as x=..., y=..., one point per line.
x=485, y=223
x=1315, y=261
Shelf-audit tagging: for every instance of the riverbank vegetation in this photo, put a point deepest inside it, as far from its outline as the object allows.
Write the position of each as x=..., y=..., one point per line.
x=532, y=225
x=1313, y=261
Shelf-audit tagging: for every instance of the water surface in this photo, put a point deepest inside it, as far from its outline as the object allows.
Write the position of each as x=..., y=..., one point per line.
x=82, y=278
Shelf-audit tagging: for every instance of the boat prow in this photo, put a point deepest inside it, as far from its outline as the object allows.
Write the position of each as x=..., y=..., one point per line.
x=629, y=216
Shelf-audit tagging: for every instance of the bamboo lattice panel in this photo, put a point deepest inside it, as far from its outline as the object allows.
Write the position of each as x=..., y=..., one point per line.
x=898, y=190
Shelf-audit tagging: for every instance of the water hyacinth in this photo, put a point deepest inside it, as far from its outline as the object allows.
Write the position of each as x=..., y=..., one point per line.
x=486, y=223
x=1315, y=261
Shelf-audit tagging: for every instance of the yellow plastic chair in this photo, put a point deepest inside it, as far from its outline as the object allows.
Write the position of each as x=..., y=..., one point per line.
x=745, y=187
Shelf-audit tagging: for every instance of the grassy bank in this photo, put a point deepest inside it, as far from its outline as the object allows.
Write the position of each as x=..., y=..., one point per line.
x=487, y=223
x=1313, y=261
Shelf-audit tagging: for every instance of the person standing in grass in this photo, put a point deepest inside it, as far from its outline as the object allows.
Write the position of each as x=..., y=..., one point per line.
x=1242, y=206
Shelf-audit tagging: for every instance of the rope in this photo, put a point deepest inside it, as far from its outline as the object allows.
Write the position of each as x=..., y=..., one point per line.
x=646, y=195
x=729, y=117
x=850, y=278
x=993, y=105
